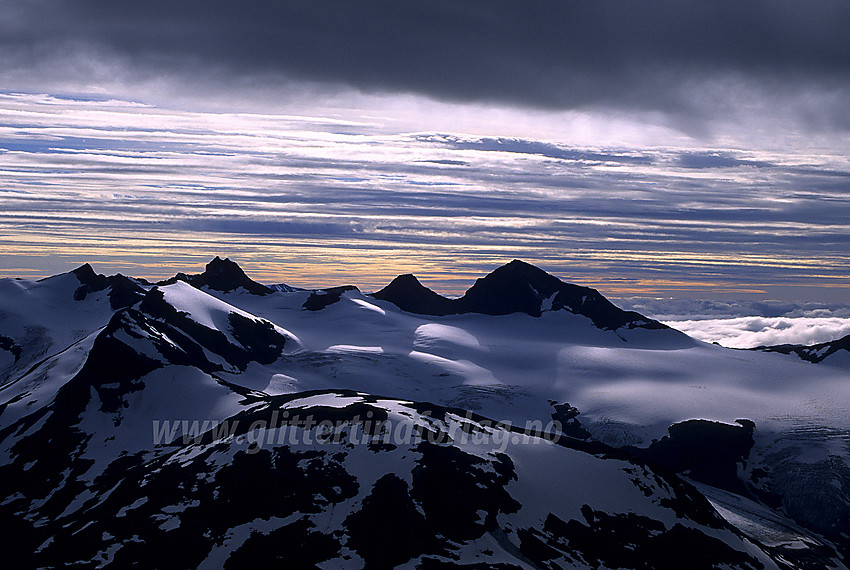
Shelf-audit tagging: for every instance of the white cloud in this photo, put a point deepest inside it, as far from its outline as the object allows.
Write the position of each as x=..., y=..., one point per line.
x=749, y=332
x=706, y=309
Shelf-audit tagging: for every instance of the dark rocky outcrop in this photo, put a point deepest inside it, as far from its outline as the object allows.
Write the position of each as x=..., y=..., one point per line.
x=708, y=452
x=407, y=293
x=123, y=291
x=321, y=298
x=221, y=275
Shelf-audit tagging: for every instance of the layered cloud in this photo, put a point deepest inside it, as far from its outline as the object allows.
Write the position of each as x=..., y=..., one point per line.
x=118, y=183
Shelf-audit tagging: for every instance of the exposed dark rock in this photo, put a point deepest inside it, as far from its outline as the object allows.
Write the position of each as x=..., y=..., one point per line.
x=628, y=540
x=90, y=282
x=296, y=545
x=517, y=287
x=706, y=451
x=453, y=486
x=221, y=275
x=407, y=293
x=122, y=291
x=567, y=416
x=174, y=509
x=9, y=344
x=262, y=343
x=388, y=530
x=260, y=339
x=434, y=564
x=225, y=276
x=210, y=500
x=321, y=298
x=113, y=367
x=87, y=276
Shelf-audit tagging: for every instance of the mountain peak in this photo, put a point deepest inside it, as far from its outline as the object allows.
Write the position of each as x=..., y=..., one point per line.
x=519, y=265
x=408, y=281
x=122, y=291
x=408, y=294
x=523, y=271
x=516, y=287
x=85, y=273
x=407, y=278
x=225, y=275
x=90, y=281
x=219, y=266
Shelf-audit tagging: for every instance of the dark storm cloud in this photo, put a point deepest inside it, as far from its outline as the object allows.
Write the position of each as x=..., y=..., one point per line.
x=641, y=55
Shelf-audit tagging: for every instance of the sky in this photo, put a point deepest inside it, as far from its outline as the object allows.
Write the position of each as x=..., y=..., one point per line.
x=694, y=150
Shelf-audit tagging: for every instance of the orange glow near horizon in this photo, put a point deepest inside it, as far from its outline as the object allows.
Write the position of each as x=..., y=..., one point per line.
x=371, y=265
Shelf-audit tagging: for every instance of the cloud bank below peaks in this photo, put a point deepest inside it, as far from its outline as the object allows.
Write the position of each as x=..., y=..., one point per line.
x=747, y=324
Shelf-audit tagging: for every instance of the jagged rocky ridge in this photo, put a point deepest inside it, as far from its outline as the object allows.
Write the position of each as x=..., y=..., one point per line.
x=122, y=291
x=85, y=484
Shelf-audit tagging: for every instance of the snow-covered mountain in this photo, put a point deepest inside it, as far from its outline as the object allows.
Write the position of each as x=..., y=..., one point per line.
x=211, y=421
x=836, y=352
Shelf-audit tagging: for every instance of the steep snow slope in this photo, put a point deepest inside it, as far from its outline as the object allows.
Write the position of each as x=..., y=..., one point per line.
x=166, y=357
x=52, y=320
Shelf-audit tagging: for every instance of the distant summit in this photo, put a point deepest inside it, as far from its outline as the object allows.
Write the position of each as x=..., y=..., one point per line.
x=122, y=291
x=222, y=275
x=284, y=288
x=87, y=275
x=225, y=275
x=407, y=293
x=517, y=287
